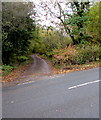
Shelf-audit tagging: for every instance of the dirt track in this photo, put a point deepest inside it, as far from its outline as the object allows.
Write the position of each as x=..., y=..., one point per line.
x=39, y=69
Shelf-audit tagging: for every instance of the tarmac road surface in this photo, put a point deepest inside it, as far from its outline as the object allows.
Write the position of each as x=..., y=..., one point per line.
x=72, y=95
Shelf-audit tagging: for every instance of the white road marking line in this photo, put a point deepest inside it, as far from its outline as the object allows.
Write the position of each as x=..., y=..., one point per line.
x=26, y=83
x=80, y=85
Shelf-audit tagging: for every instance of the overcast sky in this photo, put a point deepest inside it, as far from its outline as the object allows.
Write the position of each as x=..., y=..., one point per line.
x=45, y=17
x=46, y=20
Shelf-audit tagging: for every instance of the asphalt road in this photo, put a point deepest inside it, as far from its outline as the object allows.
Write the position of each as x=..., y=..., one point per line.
x=72, y=95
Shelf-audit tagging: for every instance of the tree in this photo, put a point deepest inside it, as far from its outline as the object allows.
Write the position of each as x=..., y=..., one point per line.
x=46, y=39
x=73, y=22
x=17, y=26
x=93, y=25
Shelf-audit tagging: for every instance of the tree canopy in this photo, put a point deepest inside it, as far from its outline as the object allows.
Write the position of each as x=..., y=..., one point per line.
x=72, y=17
x=75, y=22
x=93, y=25
x=17, y=26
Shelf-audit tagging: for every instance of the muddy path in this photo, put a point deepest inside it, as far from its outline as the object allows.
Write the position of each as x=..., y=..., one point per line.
x=39, y=69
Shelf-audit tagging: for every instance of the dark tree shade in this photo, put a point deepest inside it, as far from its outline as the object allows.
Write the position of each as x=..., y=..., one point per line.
x=17, y=26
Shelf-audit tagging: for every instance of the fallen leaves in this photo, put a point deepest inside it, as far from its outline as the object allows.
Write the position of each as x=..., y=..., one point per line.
x=15, y=73
x=77, y=68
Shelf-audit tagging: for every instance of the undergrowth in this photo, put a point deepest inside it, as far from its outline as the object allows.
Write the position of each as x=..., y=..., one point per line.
x=75, y=55
x=22, y=60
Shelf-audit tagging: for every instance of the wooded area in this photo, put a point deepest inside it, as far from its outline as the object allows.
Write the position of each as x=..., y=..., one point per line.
x=76, y=40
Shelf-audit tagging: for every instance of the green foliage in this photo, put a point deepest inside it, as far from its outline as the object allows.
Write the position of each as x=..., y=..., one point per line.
x=53, y=40
x=22, y=58
x=46, y=40
x=37, y=44
x=93, y=25
x=74, y=23
x=6, y=69
x=75, y=19
x=17, y=26
x=87, y=53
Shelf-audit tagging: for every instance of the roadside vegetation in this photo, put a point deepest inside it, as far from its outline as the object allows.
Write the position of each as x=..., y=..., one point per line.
x=82, y=46
x=75, y=43
x=17, y=27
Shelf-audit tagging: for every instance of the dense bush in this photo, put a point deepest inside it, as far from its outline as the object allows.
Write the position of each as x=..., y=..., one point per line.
x=7, y=69
x=46, y=40
x=22, y=58
x=72, y=55
x=87, y=53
